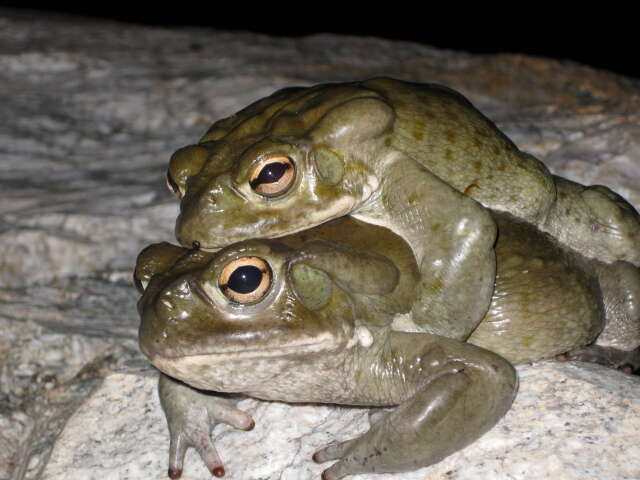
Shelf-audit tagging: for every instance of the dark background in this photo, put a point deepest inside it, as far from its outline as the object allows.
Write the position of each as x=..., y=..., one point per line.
x=605, y=38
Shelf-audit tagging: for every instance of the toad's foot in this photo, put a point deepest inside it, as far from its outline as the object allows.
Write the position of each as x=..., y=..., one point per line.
x=191, y=415
x=625, y=361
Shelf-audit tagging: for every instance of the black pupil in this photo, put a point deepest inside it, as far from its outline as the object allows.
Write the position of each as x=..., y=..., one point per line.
x=245, y=279
x=270, y=173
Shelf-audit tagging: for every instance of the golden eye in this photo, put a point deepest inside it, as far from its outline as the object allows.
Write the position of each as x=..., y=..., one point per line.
x=173, y=186
x=273, y=176
x=245, y=280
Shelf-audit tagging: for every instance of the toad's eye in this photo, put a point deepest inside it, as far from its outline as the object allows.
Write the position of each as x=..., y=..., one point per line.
x=245, y=280
x=173, y=186
x=273, y=176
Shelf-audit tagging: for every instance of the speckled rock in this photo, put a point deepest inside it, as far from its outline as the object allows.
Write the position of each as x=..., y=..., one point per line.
x=568, y=421
x=91, y=112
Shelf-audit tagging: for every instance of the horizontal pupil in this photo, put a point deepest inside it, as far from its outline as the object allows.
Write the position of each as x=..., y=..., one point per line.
x=270, y=173
x=245, y=279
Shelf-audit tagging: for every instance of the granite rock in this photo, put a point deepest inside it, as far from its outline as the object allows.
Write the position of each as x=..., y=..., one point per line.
x=92, y=110
x=568, y=421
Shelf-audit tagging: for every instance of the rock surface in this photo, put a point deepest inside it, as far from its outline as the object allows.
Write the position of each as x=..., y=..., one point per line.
x=91, y=112
x=567, y=422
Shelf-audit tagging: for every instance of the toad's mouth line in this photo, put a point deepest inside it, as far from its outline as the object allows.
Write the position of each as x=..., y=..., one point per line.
x=341, y=208
x=214, y=249
x=324, y=343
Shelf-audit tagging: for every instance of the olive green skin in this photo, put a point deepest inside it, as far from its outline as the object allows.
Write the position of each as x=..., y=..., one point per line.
x=289, y=345
x=546, y=300
x=320, y=334
x=416, y=158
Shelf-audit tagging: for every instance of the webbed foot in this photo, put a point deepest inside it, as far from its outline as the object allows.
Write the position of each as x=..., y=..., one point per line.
x=191, y=415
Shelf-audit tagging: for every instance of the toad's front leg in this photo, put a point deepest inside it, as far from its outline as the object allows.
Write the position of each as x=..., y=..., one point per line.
x=452, y=237
x=448, y=394
x=191, y=415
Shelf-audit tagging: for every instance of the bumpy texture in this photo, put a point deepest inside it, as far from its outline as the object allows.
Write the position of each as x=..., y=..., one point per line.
x=403, y=155
x=303, y=327
x=547, y=299
x=306, y=318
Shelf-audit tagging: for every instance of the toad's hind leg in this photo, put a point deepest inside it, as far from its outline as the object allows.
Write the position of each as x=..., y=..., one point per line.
x=619, y=343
